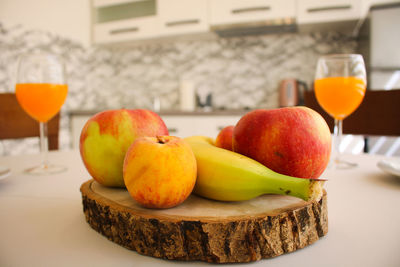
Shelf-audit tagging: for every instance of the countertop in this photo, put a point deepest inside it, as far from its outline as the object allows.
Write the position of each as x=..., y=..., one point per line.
x=42, y=221
x=225, y=112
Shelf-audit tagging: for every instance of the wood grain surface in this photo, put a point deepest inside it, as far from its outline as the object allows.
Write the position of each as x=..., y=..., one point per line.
x=206, y=230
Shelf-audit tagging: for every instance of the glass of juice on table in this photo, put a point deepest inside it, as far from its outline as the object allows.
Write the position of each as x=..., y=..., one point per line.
x=41, y=90
x=340, y=85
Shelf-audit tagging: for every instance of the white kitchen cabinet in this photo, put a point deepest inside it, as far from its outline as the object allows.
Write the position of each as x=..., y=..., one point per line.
x=379, y=2
x=208, y=125
x=124, y=20
x=123, y=31
x=316, y=11
x=367, y=4
x=131, y=20
x=76, y=124
x=178, y=17
x=178, y=125
x=227, y=12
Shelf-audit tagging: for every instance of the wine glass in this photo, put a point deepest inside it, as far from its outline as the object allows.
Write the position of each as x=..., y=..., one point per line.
x=340, y=85
x=41, y=90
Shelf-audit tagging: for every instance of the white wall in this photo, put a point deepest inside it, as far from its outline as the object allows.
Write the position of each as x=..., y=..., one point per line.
x=67, y=18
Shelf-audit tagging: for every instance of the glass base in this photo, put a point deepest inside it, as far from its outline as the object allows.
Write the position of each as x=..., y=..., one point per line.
x=45, y=168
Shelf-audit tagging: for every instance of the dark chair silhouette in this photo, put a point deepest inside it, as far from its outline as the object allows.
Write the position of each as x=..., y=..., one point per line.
x=378, y=114
x=15, y=123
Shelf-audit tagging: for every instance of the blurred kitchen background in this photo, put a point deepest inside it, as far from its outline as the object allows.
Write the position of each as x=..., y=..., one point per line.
x=199, y=64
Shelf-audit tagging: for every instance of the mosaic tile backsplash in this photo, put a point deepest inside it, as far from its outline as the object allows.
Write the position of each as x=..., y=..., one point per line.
x=240, y=72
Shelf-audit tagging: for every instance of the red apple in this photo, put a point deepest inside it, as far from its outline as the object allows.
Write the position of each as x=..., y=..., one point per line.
x=224, y=138
x=295, y=141
x=160, y=172
x=106, y=137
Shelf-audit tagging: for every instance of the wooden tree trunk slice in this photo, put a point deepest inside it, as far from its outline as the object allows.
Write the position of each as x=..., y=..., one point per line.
x=206, y=230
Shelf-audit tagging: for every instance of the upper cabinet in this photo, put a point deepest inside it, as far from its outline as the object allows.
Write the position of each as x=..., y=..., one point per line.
x=238, y=11
x=316, y=11
x=130, y=20
x=236, y=17
x=178, y=17
x=340, y=15
x=123, y=20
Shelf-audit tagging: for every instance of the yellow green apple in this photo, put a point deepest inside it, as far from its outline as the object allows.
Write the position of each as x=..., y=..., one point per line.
x=106, y=137
x=294, y=141
x=224, y=138
x=160, y=172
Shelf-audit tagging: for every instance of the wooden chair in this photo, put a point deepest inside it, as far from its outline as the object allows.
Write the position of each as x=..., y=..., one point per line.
x=15, y=123
x=378, y=114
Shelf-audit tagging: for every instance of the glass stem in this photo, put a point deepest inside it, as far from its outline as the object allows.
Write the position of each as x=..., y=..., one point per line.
x=337, y=133
x=43, y=143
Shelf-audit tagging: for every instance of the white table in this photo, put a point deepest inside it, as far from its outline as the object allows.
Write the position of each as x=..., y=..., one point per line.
x=42, y=221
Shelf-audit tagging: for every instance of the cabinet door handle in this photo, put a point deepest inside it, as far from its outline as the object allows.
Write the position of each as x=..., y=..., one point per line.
x=182, y=22
x=250, y=9
x=125, y=30
x=328, y=8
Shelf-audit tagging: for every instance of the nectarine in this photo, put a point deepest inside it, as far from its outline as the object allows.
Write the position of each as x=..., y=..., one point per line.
x=160, y=172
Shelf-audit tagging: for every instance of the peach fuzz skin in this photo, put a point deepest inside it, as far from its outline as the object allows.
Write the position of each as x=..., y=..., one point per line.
x=294, y=141
x=106, y=137
x=160, y=172
x=224, y=138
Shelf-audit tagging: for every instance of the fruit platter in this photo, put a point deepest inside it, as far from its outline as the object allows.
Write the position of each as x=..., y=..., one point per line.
x=254, y=192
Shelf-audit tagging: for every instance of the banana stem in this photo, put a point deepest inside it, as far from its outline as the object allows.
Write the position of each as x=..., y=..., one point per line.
x=305, y=189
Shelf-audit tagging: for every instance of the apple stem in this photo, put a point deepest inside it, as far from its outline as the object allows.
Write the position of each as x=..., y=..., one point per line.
x=162, y=139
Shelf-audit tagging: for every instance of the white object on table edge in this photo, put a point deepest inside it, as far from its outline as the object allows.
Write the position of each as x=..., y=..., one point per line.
x=389, y=166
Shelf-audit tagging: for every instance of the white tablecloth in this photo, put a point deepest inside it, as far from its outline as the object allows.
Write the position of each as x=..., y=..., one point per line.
x=42, y=221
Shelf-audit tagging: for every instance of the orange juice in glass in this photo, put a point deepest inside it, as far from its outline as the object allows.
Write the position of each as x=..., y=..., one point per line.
x=41, y=90
x=339, y=96
x=340, y=85
x=42, y=101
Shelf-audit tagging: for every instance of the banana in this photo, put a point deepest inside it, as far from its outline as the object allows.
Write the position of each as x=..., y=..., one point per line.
x=228, y=176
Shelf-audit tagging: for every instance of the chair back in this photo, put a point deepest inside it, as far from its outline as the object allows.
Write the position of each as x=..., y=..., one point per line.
x=378, y=114
x=15, y=123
